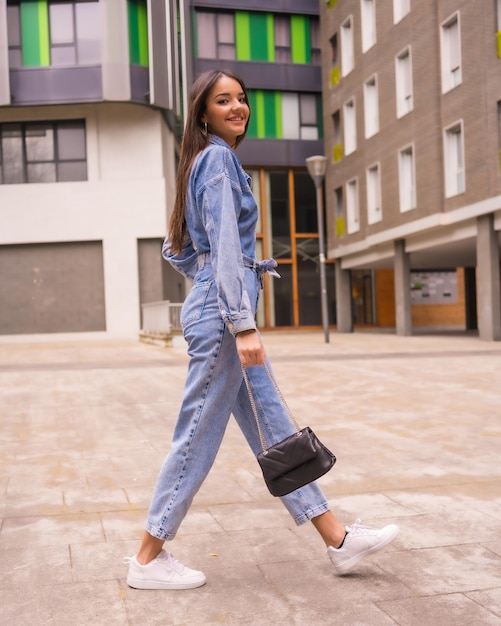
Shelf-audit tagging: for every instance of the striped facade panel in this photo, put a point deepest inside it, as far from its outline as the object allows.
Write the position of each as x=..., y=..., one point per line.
x=34, y=17
x=276, y=115
x=255, y=37
x=300, y=39
x=138, y=32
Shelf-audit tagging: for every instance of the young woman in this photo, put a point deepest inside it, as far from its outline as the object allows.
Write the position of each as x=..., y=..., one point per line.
x=211, y=240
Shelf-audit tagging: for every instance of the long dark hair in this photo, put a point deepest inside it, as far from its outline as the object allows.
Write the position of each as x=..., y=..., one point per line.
x=195, y=139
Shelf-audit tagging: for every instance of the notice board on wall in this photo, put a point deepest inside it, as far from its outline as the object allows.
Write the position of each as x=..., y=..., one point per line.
x=434, y=287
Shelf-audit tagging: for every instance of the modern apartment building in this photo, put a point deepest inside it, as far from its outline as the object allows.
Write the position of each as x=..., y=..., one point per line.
x=412, y=118
x=89, y=96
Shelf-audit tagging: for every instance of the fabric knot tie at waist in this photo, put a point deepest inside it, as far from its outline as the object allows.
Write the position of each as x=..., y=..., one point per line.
x=262, y=267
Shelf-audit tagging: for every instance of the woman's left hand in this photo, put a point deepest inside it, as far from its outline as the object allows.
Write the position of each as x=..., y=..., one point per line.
x=250, y=348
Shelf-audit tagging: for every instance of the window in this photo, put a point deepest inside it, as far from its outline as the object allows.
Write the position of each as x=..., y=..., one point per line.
x=350, y=127
x=216, y=35
x=403, y=79
x=316, y=44
x=371, y=107
x=308, y=120
x=454, y=160
x=334, y=60
x=42, y=152
x=282, y=39
x=373, y=177
x=299, y=116
x=74, y=33
x=407, y=179
x=352, y=206
x=337, y=153
x=368, y=11
x=347, y=47
x=450, y=45
x=14, y=36
x=339, y=211
x=67, y=35
x=400, y=9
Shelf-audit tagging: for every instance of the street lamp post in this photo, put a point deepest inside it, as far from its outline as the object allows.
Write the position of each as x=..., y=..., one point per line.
x=316, y=168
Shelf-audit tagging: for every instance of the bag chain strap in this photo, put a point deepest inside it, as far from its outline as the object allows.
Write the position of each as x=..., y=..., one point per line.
x=253, y=404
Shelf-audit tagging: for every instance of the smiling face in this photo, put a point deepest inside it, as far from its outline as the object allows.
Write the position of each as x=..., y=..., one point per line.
x=226, y=110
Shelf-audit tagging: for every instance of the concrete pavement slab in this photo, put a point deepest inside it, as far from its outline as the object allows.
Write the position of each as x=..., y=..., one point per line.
x=415, y=423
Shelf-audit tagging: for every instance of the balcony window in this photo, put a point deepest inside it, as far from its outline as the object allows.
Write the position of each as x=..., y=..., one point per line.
x=400, y=9
x=373, y=178
x=350, y=127
x=371, y=107
x=368, y=12
x=407, y=179
x=450, y=48
x=404, y=90
x=216, y=35
x=347, y=47
x=454, y=160
x=67, y=34
x=352, y=206
x=282, y=26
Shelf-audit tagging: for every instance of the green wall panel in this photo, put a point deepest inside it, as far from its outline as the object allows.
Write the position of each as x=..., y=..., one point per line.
x=252, y=128
x=258, y=26
x=266, y=119
x=35, y=33
x=270, y=117
x=300, y=39
x=142, y=23
x=270, y=24
x=260, y=114
x=278, y=115
x=242, y=36
x=138, y=32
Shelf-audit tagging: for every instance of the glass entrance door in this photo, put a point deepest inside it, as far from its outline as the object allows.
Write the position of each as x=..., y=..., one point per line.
x=288, y=232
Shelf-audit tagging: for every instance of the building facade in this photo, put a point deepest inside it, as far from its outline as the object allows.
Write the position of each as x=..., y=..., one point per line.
x=89, y=97
x=412, y=118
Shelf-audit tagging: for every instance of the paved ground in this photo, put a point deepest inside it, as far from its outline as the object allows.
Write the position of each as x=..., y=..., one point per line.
x=415, y=423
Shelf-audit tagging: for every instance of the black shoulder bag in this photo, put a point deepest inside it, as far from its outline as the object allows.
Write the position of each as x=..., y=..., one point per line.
x=295, y=461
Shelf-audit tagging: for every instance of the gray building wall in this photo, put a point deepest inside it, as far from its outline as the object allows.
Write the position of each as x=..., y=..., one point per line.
x=441, y=231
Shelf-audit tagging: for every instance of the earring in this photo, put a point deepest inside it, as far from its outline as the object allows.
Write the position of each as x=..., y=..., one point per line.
x=206, y=128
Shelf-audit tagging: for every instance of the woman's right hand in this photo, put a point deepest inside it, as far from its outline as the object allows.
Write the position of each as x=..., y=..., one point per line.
x=250, y=348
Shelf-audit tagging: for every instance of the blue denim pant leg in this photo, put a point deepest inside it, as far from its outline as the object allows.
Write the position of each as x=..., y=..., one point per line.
x=306, y=502
x=212, y=383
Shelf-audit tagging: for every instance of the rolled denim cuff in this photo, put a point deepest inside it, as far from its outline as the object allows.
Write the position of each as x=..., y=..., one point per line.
x=236, y=325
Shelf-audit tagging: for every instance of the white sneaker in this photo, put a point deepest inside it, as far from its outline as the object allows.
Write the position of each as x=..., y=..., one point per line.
x=164, y=572
x=358, y=543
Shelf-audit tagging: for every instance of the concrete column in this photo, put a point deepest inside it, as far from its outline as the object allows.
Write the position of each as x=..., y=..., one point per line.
x=344, y=311
x=489, y=288
x=4, y=56
x=402, y=289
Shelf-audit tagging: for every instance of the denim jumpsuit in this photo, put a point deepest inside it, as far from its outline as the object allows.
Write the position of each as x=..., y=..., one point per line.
x=219, y=256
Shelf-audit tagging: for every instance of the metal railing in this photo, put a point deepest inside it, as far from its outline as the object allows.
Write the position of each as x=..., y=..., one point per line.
x=161, y=318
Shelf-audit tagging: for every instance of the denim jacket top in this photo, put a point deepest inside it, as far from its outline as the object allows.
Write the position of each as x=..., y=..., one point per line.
x=221, y=215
